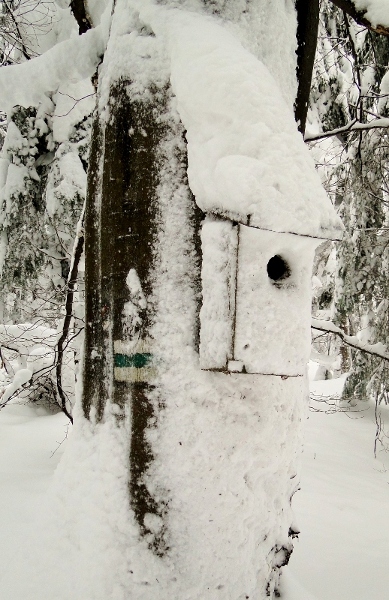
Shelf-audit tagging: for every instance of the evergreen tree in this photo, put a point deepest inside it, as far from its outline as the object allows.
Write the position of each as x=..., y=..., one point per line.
x=347, y=87
x=44, y=160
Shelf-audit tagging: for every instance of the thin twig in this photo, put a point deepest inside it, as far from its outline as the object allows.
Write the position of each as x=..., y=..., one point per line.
x=78, y=250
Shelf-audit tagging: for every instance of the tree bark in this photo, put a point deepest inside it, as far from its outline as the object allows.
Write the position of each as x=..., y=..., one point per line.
x=121, y=227
x=184, y=424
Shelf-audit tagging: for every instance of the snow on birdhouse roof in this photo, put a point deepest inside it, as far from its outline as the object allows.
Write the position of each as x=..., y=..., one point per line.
x=247, y=160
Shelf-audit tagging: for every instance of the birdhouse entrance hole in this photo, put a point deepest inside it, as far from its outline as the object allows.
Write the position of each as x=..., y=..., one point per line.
x=277, y=268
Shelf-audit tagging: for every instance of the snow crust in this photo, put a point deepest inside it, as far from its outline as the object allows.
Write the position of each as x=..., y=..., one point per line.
x=218, y=273
x=271, y=332
x=246, y=316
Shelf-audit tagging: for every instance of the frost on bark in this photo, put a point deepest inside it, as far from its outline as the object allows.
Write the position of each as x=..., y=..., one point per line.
x=120, y=223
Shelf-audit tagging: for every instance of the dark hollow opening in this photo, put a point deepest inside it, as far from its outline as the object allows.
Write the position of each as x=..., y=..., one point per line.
x=277, y=268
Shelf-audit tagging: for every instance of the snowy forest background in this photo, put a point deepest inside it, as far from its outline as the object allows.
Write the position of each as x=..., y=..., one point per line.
x=43, y=175
x=43, y=169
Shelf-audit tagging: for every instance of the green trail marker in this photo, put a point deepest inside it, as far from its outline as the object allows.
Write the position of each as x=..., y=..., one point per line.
x=137, y=360
x=137, y=366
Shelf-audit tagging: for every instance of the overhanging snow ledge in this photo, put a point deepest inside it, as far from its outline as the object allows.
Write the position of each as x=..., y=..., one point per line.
x=247, y=160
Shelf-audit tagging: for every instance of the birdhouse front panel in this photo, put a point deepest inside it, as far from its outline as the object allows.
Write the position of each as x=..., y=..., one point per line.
x=273, y=295
x=256, y=294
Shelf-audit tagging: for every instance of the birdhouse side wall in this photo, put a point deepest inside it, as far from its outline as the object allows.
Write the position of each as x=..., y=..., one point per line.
x=219, y=260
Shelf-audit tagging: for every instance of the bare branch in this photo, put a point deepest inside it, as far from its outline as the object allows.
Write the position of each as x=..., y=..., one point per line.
x=349, y=128
x=20, y=40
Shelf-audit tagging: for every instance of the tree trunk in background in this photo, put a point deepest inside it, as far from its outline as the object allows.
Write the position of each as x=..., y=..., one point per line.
x=307, y=28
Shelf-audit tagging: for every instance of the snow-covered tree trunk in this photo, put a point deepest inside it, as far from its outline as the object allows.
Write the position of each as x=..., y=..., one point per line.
x=212, y=452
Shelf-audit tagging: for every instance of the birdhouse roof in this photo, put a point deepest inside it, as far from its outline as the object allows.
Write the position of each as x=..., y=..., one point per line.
x=247, y=160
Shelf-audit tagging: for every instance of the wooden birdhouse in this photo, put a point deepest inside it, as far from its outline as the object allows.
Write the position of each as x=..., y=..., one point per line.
x=256, y=295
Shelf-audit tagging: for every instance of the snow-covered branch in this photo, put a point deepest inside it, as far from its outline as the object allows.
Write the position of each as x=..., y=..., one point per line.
x=73, y=60
x=367, y=17
x=378, y=350
x=353, y=126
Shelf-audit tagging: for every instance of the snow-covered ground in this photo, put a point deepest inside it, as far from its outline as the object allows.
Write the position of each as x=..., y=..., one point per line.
x=341, y=510
x=30, y=449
